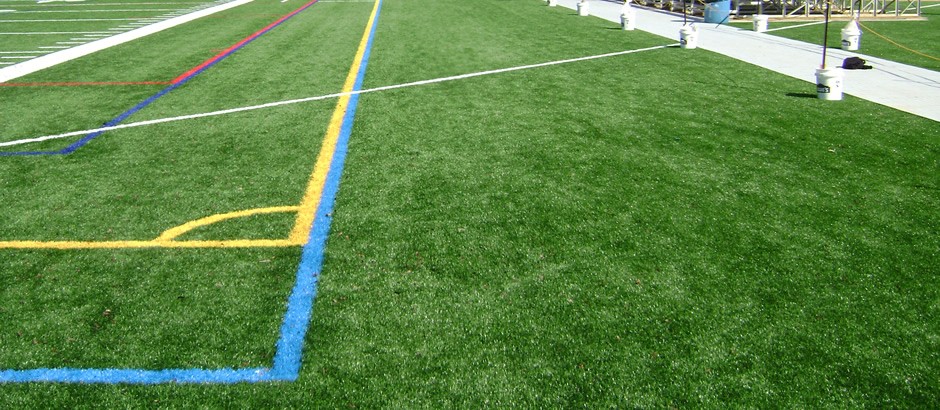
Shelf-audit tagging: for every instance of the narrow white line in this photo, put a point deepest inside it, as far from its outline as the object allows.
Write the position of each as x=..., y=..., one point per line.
x=796, y=25
x=17, y=57
x=64, y=20
x=927, y=7
x=2, y=63
x=7, y=11
x=71, y=42
x=49, y=60
x=102, y=4
x=323, y=97
x=54, y=47
x=89, y=11
x=23, y=52
x=45, y=33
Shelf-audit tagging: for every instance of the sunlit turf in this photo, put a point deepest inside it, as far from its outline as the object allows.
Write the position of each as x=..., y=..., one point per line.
x=923, y=37
x=624, y=232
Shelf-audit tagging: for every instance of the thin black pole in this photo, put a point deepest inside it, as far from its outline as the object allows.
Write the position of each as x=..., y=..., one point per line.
x=825, y=36
x=684, y=18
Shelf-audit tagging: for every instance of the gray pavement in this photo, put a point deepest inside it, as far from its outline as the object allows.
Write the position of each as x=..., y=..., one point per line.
x=907, y=88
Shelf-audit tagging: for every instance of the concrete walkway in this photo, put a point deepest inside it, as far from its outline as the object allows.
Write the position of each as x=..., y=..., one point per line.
x=906, y=88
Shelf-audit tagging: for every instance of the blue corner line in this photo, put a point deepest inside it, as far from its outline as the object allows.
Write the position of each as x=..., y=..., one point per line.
x=143, y=104
x=289, y=349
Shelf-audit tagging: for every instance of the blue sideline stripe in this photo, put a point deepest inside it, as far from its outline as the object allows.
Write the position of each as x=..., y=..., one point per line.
x=289, y=351
x=120, y=118
x=289, y=354
x=135, y=376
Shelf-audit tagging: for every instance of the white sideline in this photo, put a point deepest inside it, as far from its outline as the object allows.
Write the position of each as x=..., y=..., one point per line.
x=324, y=97
x=49, y=60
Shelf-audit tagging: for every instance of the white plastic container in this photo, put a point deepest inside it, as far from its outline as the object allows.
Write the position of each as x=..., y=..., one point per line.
x=829, y=83
x=688, y=36
x=583, y=8
x=760, y=22
x=552, y=3
x=851, y=36
x=628, y=19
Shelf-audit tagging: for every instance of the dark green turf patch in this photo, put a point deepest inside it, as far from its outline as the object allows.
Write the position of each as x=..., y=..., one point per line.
x=151, y=309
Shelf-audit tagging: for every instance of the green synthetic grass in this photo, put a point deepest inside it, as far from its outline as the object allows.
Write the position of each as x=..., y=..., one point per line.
x=623, y=232
x=923, y=37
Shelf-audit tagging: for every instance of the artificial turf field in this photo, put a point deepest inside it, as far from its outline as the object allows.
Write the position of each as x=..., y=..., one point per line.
x=668, y=228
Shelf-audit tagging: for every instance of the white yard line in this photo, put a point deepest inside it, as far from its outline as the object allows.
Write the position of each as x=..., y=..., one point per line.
x=48, y=33
x=327, y=96
x=102, y=4
x=90, y=11
x=49, y=60
x=796, y=25
x=66, y=20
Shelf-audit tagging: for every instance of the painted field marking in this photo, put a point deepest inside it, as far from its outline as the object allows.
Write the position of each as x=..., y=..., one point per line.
x=796, y=25
x=326, y=96
x=288, y=355
x=23, y=52
x=83, y=83
x=65, y=20
x=175, y=83
x=90, y=11
x=45, y=33
x=44, y=5
x=19, y=70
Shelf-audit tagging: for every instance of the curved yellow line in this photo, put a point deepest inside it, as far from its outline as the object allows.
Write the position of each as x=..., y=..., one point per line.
x=173, y=233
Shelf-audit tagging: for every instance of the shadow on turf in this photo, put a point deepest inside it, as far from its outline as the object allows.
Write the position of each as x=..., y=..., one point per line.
x=802, y=95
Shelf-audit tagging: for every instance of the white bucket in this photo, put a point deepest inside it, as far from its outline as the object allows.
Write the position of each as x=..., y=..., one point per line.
x=760, y=22
x=688, y=36
x=552, y=3
x=628, y=20
x=829, y=83
x=851, y=36
x=583, y=8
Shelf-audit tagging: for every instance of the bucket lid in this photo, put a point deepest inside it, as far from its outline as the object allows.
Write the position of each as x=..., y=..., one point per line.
x=852, y=28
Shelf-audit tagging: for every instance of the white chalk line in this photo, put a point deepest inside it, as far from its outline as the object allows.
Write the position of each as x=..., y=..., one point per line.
x=795, y=26
x=323, y=97
x=90, y=11
x=49, y=33
x=67, y=20
x=102, y=4
x=49, y=60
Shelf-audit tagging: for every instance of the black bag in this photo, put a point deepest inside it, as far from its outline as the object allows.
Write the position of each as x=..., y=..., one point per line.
x=855, y=63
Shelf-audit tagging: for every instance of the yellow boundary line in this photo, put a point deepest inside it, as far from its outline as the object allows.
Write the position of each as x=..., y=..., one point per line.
x=305, y=211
